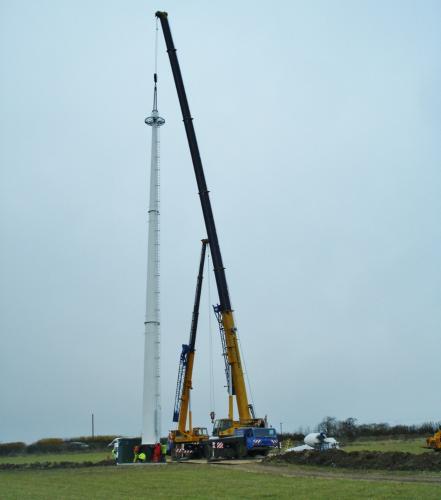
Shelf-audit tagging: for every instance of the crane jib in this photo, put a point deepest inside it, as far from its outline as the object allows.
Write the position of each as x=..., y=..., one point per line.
x=231, y=341
x=197, y=298
x=219, y=270
x=185, y=371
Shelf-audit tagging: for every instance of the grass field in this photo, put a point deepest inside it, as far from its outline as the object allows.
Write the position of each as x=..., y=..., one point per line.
x=194, y=481
x=414, y=445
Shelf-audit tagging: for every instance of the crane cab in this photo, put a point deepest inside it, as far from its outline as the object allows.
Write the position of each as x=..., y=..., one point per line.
x=200, y=432
x=195, y=435
x=224, y=427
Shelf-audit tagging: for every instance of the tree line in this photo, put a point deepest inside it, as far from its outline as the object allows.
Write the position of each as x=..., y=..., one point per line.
x=349, y=429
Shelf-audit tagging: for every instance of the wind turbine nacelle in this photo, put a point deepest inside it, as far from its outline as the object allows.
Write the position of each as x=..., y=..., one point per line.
x=319, y=441
x=315, y=439
x=331, y=442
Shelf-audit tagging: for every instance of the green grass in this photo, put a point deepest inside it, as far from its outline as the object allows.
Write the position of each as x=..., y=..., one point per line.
x=413, y=445
x=189, y=481
x=73, y=456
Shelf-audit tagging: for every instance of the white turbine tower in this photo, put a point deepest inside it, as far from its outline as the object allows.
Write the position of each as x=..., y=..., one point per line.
x=151, y=406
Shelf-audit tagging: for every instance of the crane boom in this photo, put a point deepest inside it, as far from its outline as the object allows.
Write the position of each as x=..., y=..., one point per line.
x=185, y=373
x=232, y=346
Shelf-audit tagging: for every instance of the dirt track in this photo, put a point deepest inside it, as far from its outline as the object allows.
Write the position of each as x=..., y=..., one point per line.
x=292, y=471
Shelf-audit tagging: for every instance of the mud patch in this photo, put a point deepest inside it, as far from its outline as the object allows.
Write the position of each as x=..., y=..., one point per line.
x=361, y=460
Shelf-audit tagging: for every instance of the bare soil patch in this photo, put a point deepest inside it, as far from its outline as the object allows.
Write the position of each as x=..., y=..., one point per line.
x=375, y=460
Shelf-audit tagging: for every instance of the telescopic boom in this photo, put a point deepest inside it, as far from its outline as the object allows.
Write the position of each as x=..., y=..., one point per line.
x=185, y=373
x=238, y=383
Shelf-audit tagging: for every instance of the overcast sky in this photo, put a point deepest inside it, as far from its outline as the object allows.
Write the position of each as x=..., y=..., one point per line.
x=319, y=128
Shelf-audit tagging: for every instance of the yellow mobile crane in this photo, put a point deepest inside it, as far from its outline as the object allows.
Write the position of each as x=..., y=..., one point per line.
x=248, y=435
x=187, y=443
x=434, y=441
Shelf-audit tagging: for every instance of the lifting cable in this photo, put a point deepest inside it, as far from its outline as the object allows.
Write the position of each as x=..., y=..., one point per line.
x=210, y=336
x=155, y=74
x=156, y=47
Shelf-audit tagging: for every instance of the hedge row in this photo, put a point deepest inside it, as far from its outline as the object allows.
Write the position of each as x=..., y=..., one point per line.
x=55, y=445
x=96, y=442
x=12, y=448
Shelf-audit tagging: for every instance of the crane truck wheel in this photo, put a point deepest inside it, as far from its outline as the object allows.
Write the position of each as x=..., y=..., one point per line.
x=206, y=451
x=241, y=450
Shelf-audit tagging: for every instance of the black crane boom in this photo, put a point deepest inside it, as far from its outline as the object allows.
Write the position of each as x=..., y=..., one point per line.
x=219, y=270
x=185, y=371
x=237, y=380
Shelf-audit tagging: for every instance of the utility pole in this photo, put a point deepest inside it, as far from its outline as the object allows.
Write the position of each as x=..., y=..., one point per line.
x=281, y=428
x=93, y=427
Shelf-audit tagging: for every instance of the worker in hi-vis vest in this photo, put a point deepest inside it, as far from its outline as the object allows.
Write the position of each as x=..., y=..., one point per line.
x=138, y=455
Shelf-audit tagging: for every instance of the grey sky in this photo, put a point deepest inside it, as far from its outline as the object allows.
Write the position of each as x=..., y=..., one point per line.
x=319, y=128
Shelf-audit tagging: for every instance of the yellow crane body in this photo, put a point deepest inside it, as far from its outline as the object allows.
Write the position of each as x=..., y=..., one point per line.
x=434, y=441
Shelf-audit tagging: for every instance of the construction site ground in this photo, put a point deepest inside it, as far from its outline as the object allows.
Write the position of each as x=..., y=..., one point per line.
x=198, y=479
